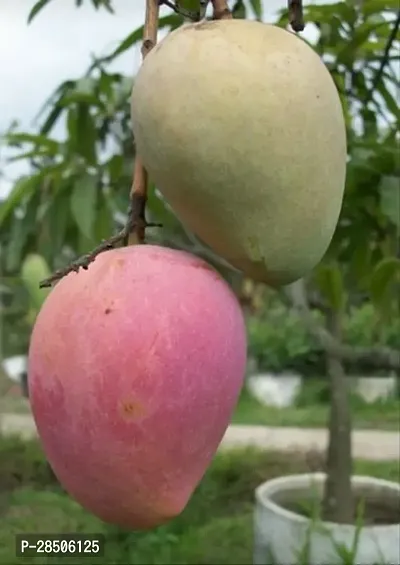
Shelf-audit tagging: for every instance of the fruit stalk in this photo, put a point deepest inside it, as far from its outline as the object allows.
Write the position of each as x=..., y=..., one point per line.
x=221, y=10
x=296, y=14
x=138, y=193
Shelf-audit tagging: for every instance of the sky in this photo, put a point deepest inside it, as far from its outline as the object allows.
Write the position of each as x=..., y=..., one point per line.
x=36, y=58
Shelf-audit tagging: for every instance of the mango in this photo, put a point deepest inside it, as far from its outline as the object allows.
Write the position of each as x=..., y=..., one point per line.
x=135, y=367
x=240, y=126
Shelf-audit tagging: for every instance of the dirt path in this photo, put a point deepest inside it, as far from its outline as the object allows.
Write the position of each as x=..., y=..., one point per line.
x=367, y=444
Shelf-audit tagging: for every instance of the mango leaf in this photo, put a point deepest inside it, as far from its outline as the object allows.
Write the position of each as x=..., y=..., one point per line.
x=104, y=222
x=378, y=6
x=82, y=133
x=360, y=265
x=239, y=10
x=36, y=9
x=39, y=140
x=160, y=212
x=171, y=21
x=390, y=198
x=57, y=217
x=54, y=101
x=390, y=101
x=18, y=235
x=385, y=274
x=115, y=168
x=21, y=189
x=349, y=53
x=330, y=283
x=83, y=204
x=257, y=8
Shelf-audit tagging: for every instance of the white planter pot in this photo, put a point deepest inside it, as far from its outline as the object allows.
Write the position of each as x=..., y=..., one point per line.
x=275, y=390
x=281, y=533
x=371, y=389
x=15, y=367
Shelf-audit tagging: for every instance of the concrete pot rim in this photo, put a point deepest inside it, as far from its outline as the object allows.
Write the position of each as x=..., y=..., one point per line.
x=303, y=481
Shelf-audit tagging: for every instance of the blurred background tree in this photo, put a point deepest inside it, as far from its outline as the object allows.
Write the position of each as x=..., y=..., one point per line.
x=76, y=193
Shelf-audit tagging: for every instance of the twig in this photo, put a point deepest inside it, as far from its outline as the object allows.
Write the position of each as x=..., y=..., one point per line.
x=385, y=59
x=296, y=14
x=134, y=229
x=188, y=14
x=138, y=193
x=221, y=10
x=379, y=357
x=135, y=218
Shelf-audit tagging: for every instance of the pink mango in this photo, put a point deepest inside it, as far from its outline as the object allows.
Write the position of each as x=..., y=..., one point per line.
x=135, y=367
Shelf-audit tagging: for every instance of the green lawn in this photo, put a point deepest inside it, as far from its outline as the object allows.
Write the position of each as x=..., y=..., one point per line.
x=312, y=410
x=215, y=528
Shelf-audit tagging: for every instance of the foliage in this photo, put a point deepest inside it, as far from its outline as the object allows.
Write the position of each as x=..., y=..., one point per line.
x=279, y=341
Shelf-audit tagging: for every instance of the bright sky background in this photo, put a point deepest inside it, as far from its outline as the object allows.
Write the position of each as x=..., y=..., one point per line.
x=57, y=45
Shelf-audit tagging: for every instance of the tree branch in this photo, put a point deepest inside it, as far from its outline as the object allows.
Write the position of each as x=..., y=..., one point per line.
x=296, y=19
x=175, y=7
x=379, y=357
x=221, y=10
x=385, y=59
x=138, y=193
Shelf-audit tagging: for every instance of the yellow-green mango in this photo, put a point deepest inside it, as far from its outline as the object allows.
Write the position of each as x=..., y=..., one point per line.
x=240, y=126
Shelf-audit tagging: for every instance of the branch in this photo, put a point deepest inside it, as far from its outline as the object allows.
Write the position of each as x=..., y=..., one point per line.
x=221, y=10
x=135, y=218
x=188, y=14
x=379, y=357
x=138, y=193
x=296, y=19
x=385, y=59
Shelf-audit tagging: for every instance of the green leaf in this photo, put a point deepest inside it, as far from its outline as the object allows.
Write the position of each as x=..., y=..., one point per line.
x=104, y=222
x=57, y=216
x=40, y=140
x=115, y=168
x=389, y=99
x=239, y=10
x=385, y=274
x=52, y=119
x=360, y=264
x=36, y=9
x=330, y=283
x=171, y=21
x=361, y=35
x=16, y=244
x=257, y=8
x=21, y=189
x=390, y=198
x=160, y=213
x=83, y=204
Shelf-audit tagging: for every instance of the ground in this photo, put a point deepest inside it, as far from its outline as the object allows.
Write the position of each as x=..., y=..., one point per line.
x=215, y=528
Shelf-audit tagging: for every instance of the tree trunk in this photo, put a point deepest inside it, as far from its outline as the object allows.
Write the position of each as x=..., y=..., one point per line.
x=338, y=504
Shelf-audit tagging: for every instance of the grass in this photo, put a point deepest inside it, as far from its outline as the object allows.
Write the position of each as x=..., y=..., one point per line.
x=312, y=410
x=215, y=528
